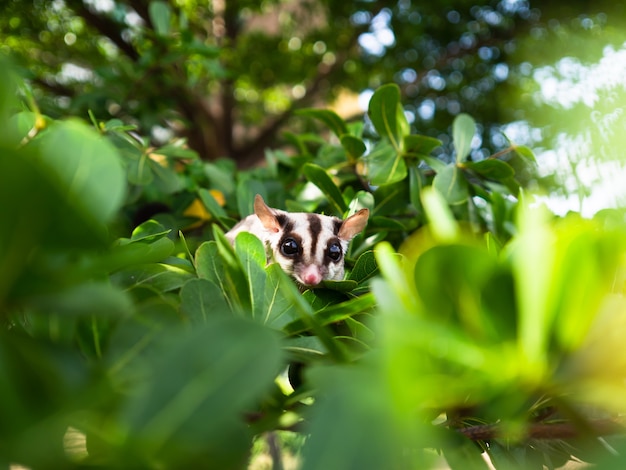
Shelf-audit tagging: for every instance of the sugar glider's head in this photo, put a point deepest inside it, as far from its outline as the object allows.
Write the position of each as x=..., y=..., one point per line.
x=309, y=247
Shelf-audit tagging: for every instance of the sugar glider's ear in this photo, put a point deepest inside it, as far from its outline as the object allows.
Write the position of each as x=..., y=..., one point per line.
x=353, y=225
x=266, y=214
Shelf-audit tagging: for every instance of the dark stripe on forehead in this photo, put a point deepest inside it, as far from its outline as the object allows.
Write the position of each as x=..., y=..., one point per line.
x=337, y=223
x=315, y=228
x=282, y=220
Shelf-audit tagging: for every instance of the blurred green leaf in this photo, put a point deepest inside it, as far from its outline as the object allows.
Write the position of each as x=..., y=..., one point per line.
x=89, y=298
x=211, y=204
x=463, y=131
x=160, y=15
x=420, y=145
x=19, y=126
x=328, y=117
x=353, y=146
x=198, y=386
x=525, y=152
x=84, y=167
x=417, y=181
x=164, y=277
x=451, y=184
x=492, y=169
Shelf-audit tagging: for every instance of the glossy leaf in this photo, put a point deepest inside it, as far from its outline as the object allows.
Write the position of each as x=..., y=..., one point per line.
x=279, y=309
x=385, y=165
x=251, y=253
x=334, y=313
x=320, y=178
x=386, y=114
x=149, y=231
x=364, y=268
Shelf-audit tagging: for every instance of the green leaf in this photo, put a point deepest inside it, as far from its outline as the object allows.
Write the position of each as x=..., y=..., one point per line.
x=463, y=131
x=138, y=169
x=177, y=151
x=328, y=117
x=452, y=185
x=353, y=146
x=356, y=424
x=19, y=127
x=456, y=284
x=160, y=15
x=251, y=253
x=279, y=309
x=340, y=286
x=85, y=167
x=201, y=299
x=89, y=298
x=491, y=169
x=127, y=254
x=385, y=165
x=387, y=116
x=420, y=145
x=320, y=178
x=417, y=181
x=334, y=313
x=247, y=189
x=525, y=153
x=442, y=223
x=149, y=231
x=365, y=267
x=463, y=454
x=211, y=266
x=165, y=177
x=198, y=385
x=211, y=204
x=163, y=277
x=435, y=163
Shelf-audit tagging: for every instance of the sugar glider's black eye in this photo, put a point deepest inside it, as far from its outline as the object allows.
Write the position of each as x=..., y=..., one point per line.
x=289, y=247
x=334, y=251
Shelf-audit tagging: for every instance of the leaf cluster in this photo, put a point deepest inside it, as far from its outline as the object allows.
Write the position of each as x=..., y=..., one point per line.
x=134, y=335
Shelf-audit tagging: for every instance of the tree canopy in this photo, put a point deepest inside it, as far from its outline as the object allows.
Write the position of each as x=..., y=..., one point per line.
x=229, y=75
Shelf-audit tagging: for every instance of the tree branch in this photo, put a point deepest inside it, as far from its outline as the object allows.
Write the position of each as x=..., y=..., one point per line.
x=248, y=155
x=600, y=427
x=104, y=26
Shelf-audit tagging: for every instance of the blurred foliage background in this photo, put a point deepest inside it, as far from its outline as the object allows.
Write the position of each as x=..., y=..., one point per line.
x=474, y=323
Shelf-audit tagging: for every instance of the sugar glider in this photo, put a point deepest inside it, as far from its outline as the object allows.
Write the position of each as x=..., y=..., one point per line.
x=309, y=247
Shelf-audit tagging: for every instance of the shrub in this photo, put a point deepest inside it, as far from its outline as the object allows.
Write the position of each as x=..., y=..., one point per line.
x=471, y=320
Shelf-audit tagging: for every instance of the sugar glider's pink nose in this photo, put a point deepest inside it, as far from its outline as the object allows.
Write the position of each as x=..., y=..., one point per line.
x=311, y=275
